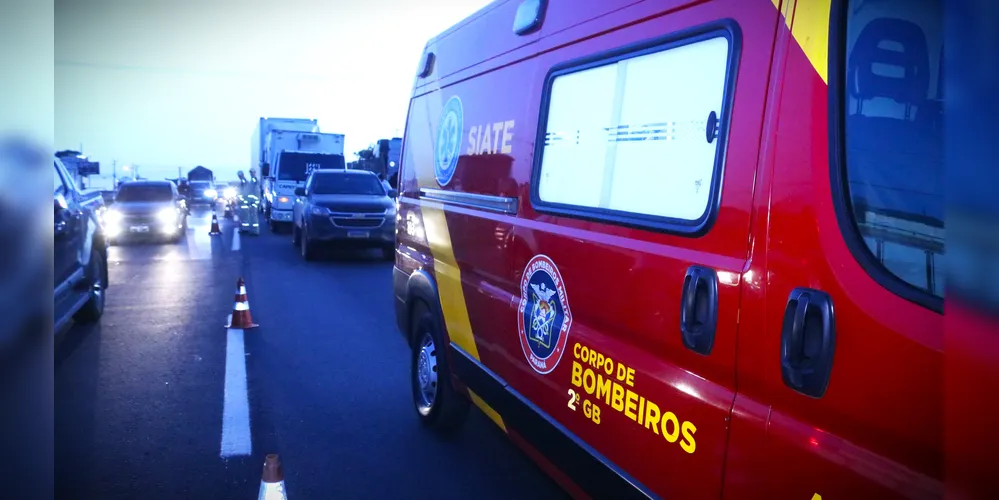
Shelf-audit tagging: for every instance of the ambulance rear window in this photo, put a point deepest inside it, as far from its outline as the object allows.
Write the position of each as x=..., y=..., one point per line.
x=893, y=135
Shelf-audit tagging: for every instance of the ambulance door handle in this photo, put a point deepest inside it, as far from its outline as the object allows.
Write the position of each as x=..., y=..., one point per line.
x=699, y=309
x=808, y=341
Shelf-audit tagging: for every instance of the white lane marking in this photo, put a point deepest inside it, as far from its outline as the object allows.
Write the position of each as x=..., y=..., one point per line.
x=235, y=239
x=236, y=437
x=192, y=247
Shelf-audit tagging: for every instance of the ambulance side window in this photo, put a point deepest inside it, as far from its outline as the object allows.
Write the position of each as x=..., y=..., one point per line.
x=892, y=115
x=638, y=137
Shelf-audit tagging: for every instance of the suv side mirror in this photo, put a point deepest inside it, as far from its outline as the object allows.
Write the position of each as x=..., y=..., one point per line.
x=393, y=193
x=300, y=191
x=265, y=170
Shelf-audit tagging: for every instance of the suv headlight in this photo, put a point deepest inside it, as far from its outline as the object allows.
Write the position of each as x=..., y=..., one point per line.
x=112, y=217
x=316, y=210
x=391, y=211
x=211, y=193
x=167, y=215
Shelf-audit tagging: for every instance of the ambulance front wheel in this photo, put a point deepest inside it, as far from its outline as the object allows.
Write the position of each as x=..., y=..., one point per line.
x=438, y=404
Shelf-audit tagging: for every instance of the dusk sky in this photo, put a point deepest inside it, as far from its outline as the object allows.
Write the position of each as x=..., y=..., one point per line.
x=170, y=83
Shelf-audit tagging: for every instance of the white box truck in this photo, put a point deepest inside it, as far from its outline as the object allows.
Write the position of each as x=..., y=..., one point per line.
x=292, y=156
x=258, y=158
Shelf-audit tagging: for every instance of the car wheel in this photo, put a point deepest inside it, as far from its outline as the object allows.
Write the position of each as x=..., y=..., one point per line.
x=438, y=404
x=97, y=271
x=296, y=236
x=308, y=247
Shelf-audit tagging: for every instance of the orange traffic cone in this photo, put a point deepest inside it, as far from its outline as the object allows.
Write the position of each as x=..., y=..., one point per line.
x=241, y=293
x=272, y=480
x=215, y=225
x=240, y=317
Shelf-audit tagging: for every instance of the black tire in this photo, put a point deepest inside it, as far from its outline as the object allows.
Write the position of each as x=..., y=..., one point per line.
x=447, y=409
x=271, y=225
x=97, y=278
x=308, y=247
x=296, y=236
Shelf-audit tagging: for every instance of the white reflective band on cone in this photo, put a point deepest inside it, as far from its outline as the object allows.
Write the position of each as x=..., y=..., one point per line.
x=241, y=291
x=272, y=491
x=242, y=306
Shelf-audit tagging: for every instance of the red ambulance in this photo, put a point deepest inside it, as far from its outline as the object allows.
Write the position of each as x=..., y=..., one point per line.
x=683, y=248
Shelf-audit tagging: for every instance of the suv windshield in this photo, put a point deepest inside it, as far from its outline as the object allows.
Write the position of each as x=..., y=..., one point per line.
x=298, y=166
x=145, y=192
x=336, y=183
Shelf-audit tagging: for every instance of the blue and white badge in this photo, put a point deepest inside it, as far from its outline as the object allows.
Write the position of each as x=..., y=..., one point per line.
x=448, y=146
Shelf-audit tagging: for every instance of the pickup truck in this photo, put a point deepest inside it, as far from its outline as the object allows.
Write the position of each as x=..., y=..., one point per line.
x=80, y=251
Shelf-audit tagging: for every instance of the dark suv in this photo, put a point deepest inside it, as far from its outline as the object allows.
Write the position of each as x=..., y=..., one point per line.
x=80, y=251
x=345, y=207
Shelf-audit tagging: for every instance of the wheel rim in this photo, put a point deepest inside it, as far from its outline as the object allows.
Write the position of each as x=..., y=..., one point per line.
x=425, y=374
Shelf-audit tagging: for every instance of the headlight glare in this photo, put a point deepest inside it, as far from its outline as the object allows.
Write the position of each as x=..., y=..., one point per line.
x=112, y=217
x=167, y=215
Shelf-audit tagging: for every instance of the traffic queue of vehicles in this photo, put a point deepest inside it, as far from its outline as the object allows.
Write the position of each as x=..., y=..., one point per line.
x=698, y=257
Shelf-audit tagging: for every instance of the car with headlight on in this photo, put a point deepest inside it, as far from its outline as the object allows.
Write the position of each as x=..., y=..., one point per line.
x=345, y=208
x=226, y=202
x=202, y=193
x=146, y=209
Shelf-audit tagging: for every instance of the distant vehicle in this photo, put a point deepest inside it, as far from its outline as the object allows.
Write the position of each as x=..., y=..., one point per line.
x=200, y=173
x=201, y=193
x=290, y=170
x=345, y=208
x=387, y=153
x=227, y=199
x=147, y=209
x=80, y=250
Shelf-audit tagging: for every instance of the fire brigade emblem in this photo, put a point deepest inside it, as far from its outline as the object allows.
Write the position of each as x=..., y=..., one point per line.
x=544, y=317
x=448, y=144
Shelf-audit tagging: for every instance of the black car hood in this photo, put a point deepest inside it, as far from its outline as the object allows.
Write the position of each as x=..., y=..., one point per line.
x=142, y=207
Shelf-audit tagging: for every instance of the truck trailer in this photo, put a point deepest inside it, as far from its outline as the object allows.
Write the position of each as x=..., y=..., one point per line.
x=280, y=178
x=258, y=157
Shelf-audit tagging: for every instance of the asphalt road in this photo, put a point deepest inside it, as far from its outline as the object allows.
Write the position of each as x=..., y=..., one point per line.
x=139, y=398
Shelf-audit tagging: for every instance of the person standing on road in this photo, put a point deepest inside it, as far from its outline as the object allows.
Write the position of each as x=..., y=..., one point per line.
x=249, y=201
